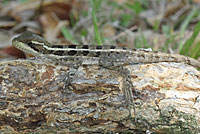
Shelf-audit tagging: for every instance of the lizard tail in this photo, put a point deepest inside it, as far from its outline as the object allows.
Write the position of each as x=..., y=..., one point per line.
x=154, y=57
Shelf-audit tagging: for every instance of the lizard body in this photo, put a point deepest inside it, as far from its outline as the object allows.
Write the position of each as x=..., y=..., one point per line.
x=36, y=45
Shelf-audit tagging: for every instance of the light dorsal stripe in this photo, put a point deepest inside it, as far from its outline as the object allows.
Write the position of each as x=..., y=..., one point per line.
x=91, y=50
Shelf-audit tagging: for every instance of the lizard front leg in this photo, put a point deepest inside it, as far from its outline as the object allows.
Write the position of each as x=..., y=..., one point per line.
x=73, y=68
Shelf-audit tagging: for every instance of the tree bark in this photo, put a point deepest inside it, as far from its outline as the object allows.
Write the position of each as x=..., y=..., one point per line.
x=38, y=97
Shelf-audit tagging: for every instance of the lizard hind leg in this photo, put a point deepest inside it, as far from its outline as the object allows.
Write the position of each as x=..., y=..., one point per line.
x=127, y=88
x=118, y=65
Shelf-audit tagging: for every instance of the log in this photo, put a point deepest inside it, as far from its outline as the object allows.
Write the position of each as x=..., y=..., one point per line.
x=36, y=97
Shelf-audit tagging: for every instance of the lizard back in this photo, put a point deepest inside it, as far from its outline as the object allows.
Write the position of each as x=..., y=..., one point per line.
x=36, y=45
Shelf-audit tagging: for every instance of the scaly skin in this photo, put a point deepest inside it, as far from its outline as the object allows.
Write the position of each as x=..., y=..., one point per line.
x=36, y=45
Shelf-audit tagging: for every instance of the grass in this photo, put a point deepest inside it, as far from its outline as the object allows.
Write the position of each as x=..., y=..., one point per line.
x=183, y=28
x=68, y=36
x=23, y=1
x=94, y=4
x=189, y=47
x=125, y=15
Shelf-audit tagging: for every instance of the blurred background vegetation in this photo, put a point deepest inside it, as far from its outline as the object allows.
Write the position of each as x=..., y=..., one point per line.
x=170, y=26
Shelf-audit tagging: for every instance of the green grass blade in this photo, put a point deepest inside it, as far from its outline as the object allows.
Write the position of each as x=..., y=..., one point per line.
x=67, y=35
x=93, y=4
x=195, y=52
x=185, y=24
x=23, y=1
x=187, y=20
x=190, y=41
x=135, y=6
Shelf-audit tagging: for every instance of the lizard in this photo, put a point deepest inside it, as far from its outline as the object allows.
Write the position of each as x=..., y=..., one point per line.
x=107, y=56
x=38, y=46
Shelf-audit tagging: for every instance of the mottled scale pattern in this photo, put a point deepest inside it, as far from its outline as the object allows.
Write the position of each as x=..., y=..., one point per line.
x=84, y=50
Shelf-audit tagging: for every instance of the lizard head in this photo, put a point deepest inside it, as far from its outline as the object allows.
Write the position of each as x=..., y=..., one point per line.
x=30, y=43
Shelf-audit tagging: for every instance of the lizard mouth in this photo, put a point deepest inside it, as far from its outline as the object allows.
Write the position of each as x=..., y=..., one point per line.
x=24, y=47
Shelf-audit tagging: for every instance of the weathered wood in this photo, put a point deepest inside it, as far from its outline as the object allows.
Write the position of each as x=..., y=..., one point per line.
x=34, y=98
